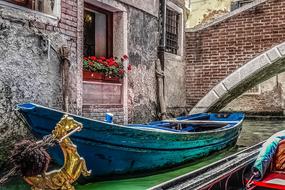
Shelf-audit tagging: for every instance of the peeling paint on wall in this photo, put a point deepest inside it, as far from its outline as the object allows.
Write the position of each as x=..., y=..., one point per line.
x=206, y=10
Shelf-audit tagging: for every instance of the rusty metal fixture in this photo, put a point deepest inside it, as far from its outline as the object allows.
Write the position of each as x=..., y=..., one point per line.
x=74, y=165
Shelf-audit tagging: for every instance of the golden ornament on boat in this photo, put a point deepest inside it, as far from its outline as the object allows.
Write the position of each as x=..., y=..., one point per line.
x=74, y=165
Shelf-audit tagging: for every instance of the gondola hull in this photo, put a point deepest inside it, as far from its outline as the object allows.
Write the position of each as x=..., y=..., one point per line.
x=111, y=149
x=226, y=174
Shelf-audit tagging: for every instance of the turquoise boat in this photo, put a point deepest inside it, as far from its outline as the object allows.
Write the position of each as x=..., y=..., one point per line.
x=111, y=149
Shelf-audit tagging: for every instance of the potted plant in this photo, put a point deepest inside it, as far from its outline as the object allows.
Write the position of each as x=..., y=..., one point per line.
x=104, y=69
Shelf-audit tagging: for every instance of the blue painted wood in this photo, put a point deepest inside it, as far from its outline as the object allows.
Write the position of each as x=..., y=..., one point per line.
x=112, y=149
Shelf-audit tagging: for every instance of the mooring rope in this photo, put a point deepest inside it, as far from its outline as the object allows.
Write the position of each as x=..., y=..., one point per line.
x=29, y=158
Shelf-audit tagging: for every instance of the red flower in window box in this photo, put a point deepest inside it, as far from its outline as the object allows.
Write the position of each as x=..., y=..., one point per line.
x=111, y=68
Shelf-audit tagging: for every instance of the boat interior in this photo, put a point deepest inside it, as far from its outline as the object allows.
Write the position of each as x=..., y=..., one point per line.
x=193, y=123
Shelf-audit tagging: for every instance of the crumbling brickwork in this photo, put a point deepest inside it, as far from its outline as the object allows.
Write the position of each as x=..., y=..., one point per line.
x=215, y=51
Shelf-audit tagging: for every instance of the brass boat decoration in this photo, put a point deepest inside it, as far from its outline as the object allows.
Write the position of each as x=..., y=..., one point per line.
x=74, y=165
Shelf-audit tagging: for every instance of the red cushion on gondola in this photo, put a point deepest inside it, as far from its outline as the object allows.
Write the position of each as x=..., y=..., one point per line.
x=272, y=181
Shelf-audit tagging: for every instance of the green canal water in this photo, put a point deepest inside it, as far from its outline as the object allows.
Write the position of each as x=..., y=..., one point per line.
x=252, y=133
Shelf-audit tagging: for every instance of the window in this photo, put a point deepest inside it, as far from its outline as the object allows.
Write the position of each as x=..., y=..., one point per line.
x=172, y=20
x=51, y=7
x=98, y=41
x=98, y=32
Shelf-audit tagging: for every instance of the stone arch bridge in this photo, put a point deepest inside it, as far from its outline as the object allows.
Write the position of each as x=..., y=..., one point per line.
x=257, y=70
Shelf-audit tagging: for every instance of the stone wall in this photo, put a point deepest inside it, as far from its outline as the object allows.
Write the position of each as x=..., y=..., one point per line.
x=142, y=48
x=30, y=71
x=216, y=49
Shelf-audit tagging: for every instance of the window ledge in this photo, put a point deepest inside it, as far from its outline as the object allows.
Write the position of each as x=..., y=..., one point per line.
x=22, y=14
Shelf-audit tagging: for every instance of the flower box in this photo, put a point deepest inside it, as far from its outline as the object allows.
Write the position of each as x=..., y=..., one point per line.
x=93, y=76
x=104, y=69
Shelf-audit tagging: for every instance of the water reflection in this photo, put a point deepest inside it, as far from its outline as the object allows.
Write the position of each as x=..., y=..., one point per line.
x=256, y=131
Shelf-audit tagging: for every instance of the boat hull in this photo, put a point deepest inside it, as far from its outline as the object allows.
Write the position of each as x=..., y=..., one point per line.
x=227, y=173
x=111, y=149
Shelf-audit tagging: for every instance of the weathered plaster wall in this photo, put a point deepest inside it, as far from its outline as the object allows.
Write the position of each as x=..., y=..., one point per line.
x=142, y=47
x=174, y=80
x=29, y=72
x=203, y=11
x=148, y=6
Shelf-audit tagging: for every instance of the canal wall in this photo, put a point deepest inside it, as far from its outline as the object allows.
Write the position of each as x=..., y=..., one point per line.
x=216, y=49
x=30, y=69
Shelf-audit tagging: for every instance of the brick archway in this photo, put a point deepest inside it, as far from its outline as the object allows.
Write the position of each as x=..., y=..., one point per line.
x=242, y=79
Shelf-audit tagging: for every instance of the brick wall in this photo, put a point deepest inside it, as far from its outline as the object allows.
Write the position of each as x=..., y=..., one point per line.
x=98, y=112
x=215, y=51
